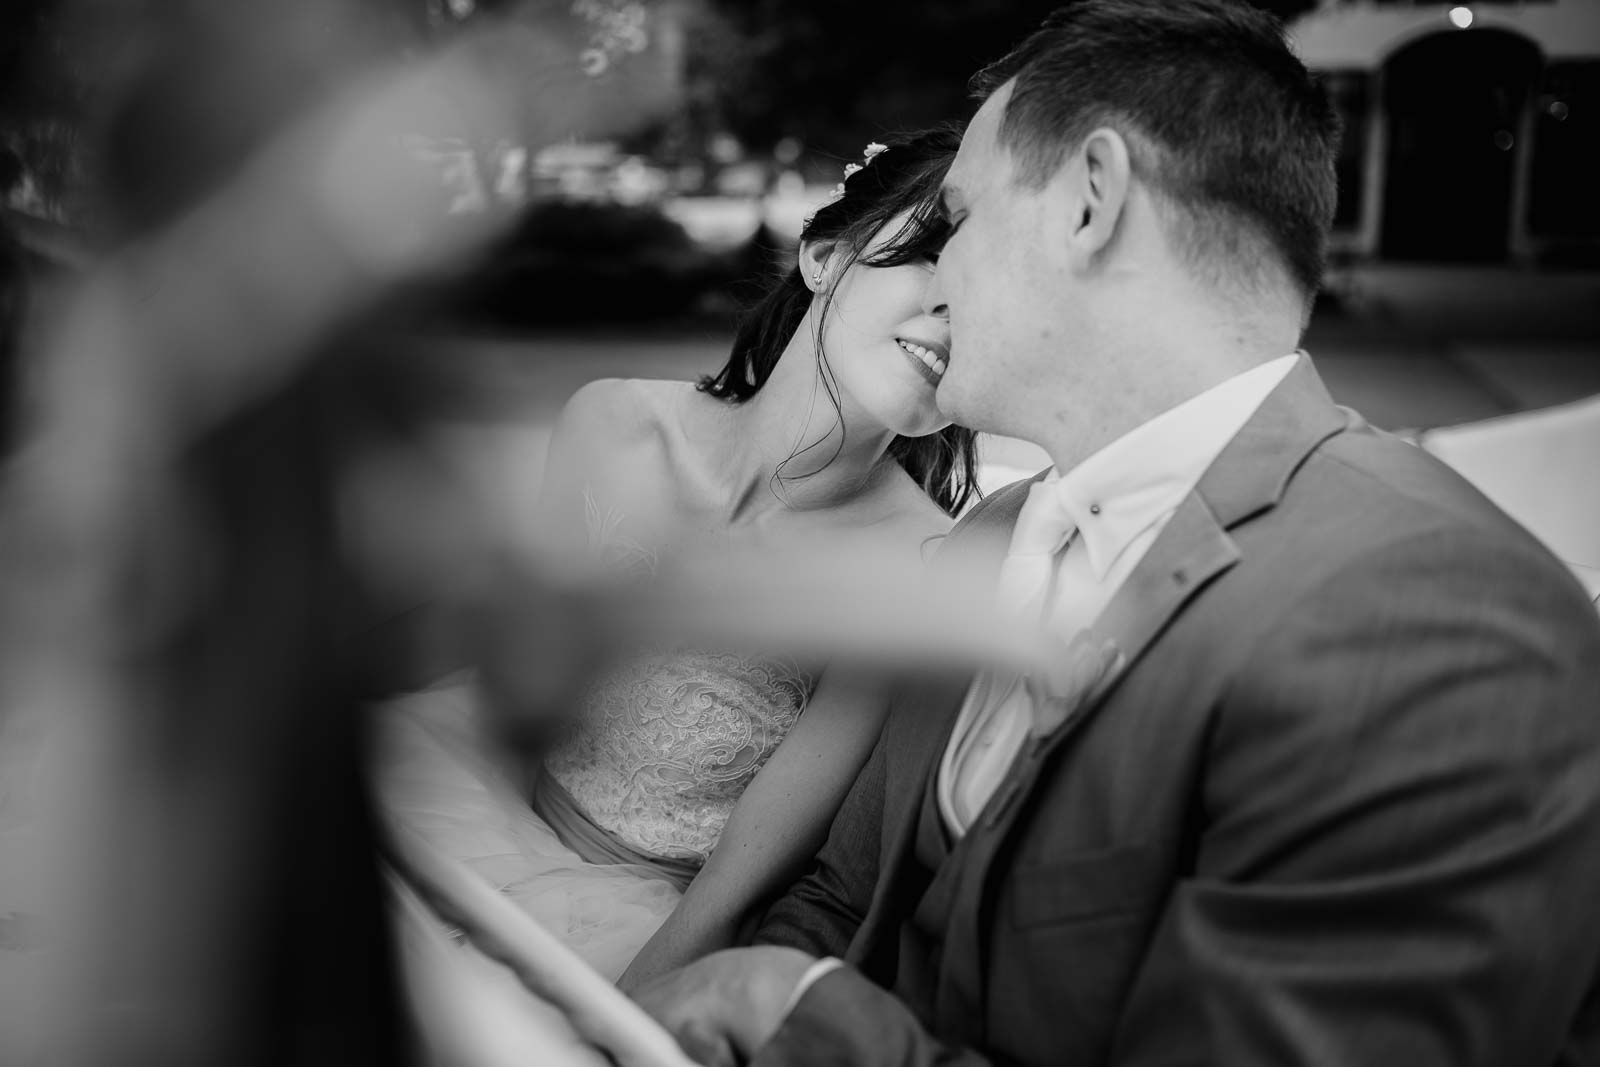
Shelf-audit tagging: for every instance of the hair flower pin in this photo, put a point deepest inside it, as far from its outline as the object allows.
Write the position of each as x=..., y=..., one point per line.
x=874, y=150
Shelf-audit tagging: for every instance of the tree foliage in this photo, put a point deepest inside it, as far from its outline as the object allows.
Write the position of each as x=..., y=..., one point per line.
x=833, y=72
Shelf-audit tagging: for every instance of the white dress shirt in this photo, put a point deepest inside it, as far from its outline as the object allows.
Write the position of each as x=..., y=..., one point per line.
x=1111, y=507
x=1109, y=511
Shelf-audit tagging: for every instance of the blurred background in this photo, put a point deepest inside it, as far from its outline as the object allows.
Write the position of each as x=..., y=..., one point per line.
x=291, y=292
x=1466, y=276
x=1468, y=239
x=1467, y=251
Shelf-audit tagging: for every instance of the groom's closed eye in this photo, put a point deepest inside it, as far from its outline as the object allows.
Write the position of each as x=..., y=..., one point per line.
x=950, y=204
x=953, y=215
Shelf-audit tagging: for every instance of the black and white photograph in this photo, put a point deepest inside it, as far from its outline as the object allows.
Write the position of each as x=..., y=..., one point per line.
x=793, y=533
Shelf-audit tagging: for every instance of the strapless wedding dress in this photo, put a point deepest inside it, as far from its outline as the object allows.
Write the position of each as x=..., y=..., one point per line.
x=630, y=802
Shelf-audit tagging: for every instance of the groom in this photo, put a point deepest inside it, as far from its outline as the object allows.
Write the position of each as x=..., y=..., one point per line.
x=1335, y=798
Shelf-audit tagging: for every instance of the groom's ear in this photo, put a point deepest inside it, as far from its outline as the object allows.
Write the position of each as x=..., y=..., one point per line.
x=1100, y=192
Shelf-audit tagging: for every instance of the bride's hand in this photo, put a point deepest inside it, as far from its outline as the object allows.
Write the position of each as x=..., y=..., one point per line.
x=723, y=1008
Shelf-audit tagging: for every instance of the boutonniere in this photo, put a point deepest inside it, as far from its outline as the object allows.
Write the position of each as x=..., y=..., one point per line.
x=1067, y=683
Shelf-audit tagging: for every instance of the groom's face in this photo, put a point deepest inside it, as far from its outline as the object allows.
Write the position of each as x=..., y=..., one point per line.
x=1002, y=279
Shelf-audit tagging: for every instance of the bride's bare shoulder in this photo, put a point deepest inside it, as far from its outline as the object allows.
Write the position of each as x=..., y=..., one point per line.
x=614, y=414
x=612, y=435
x=623, y=402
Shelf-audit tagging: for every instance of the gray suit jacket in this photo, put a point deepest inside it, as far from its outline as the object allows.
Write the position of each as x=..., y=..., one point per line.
x=1341, y=806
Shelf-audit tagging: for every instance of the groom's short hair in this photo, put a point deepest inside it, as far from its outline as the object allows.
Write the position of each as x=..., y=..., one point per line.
x=1221, y=118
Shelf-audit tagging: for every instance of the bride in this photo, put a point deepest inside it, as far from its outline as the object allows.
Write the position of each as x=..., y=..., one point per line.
x=690, y=786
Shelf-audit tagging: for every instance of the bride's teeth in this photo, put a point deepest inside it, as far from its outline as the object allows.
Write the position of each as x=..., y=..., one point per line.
x=933, y=362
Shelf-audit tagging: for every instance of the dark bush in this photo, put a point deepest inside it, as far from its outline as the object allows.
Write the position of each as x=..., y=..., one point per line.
x=587, y=261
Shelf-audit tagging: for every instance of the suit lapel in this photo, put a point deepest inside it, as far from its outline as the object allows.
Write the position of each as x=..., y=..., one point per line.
x=1247, y=478
x=1194, y=549
x=1191, y=551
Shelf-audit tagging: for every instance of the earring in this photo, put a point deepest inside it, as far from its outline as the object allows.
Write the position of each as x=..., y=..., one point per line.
x=816, y=279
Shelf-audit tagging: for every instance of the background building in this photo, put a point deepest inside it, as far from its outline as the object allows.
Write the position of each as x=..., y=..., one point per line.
x=1473, y=130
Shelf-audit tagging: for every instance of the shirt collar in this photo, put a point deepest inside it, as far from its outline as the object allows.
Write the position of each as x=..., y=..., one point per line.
x=1121, y=490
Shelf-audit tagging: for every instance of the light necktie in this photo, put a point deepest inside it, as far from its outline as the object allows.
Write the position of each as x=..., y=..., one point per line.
x=1060, y=688
x=1043, y=529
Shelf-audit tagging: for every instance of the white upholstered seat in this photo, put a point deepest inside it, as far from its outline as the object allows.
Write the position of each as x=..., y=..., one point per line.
x=1543, y=468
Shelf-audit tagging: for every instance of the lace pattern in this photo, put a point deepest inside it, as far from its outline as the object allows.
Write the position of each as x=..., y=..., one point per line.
x=666, y=744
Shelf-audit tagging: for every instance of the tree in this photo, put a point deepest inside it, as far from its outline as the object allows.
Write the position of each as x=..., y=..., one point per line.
x=41, y=97
x=836, y=72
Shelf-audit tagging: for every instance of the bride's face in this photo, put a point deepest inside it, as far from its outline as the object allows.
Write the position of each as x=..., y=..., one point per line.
x=887, y=353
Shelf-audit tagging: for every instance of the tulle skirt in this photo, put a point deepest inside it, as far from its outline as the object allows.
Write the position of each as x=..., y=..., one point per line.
x=437, y=775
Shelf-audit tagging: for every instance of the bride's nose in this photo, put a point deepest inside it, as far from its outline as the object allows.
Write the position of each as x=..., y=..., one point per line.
x=933, y=300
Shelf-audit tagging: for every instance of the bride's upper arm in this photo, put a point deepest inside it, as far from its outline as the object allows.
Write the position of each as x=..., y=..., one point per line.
x=842, y=719
x=791, y=803
x=777, y=826
x=577, y=434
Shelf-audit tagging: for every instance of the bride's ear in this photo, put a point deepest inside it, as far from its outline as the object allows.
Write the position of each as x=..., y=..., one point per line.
x=816, y=261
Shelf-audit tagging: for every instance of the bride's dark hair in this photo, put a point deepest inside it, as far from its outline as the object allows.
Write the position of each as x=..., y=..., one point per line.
x=904, y=178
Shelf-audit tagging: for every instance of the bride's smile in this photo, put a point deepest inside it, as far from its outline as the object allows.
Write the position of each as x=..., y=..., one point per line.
x=880, y=343
x=930, y=358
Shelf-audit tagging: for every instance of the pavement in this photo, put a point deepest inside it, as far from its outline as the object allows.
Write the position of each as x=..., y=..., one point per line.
x=1415, y=347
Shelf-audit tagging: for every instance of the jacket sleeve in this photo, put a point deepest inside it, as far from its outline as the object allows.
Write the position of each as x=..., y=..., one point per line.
x=1399, y=849
x=1398, y=858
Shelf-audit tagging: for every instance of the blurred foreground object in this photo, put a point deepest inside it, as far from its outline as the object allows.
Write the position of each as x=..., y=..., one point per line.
x=182, y=612
x=545, y=966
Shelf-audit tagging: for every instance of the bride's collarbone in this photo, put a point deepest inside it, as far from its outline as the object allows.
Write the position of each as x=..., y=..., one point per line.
x=684, y=527
x=665, y=495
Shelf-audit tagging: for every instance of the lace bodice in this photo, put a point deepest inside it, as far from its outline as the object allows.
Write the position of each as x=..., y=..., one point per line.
x=667, y=743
